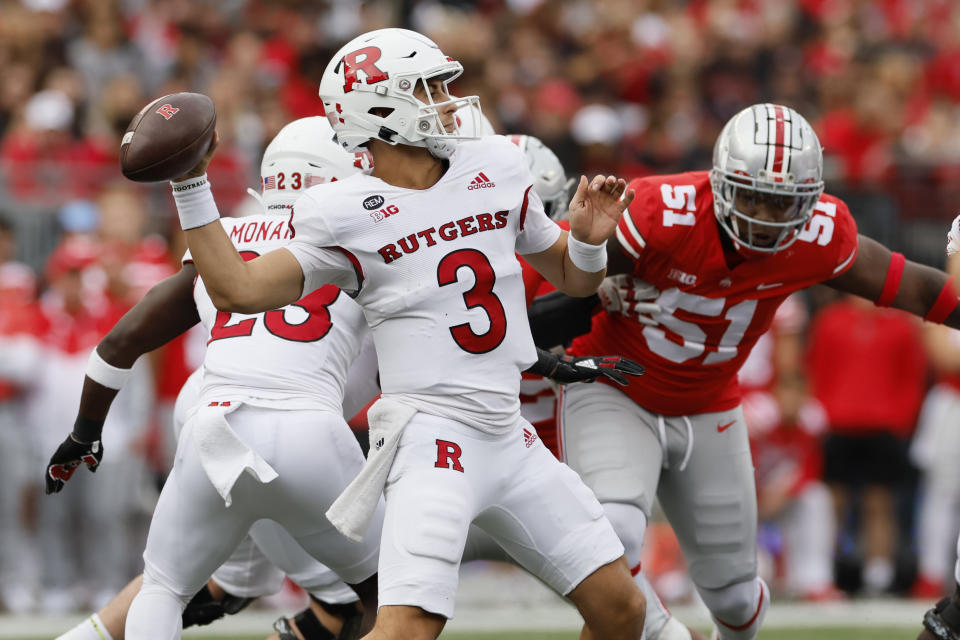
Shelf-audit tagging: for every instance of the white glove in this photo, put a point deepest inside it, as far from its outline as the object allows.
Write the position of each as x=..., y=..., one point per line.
x=953, y=237
x=631, y=297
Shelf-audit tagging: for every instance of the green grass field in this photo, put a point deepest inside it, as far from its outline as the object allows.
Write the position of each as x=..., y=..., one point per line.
x=819, y=633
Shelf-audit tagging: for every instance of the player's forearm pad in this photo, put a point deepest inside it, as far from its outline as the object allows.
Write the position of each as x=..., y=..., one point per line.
x=195, y=204
x=587, y=257
x=556, y=318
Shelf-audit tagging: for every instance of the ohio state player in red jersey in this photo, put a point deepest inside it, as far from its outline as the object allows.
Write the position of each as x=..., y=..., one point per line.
x=723, y=249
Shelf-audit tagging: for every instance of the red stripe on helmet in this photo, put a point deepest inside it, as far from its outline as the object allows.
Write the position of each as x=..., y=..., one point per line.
x=779, y=117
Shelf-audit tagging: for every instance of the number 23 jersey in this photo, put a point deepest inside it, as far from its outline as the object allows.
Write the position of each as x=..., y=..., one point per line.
x=712, y=313
x=295, y=357
x=437, y=277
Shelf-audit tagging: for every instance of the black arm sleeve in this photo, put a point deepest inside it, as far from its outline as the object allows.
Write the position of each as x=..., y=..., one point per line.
x=556, y=318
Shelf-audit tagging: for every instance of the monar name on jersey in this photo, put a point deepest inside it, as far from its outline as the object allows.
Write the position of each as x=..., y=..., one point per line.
x=260, y=230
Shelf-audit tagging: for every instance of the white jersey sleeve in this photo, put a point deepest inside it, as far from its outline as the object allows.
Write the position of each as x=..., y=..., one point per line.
x=320, y=265
x=315, y=248
x=537, y=231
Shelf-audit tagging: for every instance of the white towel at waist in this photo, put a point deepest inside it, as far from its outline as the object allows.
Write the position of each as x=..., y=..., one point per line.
x=352, y=511
x=223, y=455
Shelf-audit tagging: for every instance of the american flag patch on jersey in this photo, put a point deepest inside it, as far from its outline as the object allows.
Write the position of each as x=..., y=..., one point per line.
x=270, y=182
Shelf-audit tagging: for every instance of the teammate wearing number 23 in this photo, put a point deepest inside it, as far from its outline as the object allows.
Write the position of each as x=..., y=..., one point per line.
x=708, y=257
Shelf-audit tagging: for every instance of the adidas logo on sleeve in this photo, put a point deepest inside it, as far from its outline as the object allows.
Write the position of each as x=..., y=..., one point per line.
x=480, y=182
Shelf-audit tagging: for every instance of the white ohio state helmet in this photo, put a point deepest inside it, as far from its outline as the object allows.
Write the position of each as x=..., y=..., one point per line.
x=549, y=179
x=301, y=155
x=367, y=92
x=766, y=149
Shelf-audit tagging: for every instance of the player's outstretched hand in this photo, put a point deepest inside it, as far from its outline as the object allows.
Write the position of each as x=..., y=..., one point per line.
x=68, y=456
x=589, y=368
x=630, y=296
x=596, y=208
x=201, y=167
x=953, y=237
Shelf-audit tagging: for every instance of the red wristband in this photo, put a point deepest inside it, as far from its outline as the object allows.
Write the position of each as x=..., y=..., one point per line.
x=945, y=304
x=892, y=284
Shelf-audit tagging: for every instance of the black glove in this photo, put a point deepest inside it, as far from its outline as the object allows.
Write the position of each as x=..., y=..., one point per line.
x=68, y=456
x=564, y=369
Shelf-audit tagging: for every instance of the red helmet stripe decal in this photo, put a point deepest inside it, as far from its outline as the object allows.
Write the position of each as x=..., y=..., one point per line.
x=779, y=116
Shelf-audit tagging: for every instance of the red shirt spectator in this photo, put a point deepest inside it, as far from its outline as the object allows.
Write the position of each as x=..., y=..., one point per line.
x=867, y=367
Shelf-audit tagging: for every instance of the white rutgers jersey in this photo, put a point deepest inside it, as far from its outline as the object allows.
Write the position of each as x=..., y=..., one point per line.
x=295, y=357
x=438, y=278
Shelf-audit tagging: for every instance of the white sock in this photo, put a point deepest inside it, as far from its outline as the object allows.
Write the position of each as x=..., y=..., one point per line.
x=91, y=628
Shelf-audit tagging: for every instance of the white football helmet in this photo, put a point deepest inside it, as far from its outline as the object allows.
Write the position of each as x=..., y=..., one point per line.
x=301, y=155
x=549, y=179
x=766, y=149
x=367, y=92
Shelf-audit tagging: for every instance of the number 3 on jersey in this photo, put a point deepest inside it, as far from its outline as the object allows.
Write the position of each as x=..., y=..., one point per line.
x=480, y=295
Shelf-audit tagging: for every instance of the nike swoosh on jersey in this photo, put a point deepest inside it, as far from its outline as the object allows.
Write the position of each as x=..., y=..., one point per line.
x=762, y=286
x=723, y=427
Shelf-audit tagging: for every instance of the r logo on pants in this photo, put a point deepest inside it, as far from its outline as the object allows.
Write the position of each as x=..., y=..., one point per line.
x=448, y=455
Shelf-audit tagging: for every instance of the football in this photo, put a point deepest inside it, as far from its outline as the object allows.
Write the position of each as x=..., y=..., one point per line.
x=168, y=137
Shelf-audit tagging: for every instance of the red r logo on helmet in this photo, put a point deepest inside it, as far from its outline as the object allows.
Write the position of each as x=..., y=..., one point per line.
x=365, y=60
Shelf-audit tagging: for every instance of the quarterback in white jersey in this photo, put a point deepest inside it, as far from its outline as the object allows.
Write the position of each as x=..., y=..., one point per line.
x=267, y=440
x=427, y=246
x=468, y=249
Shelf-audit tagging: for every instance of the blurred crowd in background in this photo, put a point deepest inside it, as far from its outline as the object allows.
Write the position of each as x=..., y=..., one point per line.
x=852, y=493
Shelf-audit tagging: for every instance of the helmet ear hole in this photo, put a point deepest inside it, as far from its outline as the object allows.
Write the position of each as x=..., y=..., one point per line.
x=381, y=112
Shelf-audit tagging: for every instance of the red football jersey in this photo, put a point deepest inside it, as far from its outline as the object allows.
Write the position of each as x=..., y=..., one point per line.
x=713, y=312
